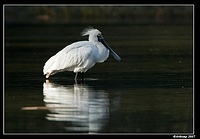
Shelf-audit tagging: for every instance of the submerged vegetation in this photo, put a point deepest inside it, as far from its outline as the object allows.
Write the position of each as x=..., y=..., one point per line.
x=98, y=14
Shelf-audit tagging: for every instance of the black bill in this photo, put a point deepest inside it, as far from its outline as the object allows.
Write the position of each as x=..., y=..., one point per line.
x=100, y=38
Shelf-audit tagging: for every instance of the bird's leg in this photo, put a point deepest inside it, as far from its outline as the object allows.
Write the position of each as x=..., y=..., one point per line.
x=48, y=74
x=82, y=73
x=76, y=76
x=75, y=82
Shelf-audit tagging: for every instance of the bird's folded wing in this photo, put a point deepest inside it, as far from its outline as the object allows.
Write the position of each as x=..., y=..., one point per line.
x=68, y=58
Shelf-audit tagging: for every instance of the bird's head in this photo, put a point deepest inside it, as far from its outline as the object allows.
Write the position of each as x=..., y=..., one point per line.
x=96, y=37
x=93, y=34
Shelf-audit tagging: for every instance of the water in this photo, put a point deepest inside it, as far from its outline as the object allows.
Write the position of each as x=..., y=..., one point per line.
x=149, y=91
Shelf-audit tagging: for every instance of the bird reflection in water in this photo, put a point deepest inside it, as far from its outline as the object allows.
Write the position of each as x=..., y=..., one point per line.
x=86, y=108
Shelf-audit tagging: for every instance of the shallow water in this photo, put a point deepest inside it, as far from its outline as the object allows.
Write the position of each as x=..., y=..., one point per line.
x=149, y=91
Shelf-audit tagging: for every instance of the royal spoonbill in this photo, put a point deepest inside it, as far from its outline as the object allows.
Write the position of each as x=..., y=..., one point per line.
x=80, y=56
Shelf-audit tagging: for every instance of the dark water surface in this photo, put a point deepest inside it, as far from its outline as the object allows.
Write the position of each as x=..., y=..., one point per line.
x=149, y=91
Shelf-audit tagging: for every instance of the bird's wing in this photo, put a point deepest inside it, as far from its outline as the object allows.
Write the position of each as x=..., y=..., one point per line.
x=69, y=57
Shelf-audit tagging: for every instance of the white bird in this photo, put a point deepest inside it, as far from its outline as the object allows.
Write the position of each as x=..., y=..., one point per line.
x=80, y=56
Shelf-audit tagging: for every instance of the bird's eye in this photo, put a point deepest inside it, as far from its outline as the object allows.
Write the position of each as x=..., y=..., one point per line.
x=98, y=35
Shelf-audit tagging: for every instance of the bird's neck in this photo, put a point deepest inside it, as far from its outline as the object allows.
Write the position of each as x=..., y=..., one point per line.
x=103, y=52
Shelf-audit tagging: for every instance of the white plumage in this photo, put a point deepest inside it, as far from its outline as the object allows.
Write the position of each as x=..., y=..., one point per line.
x=80, y=56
